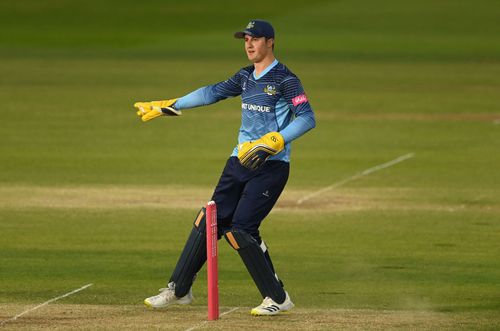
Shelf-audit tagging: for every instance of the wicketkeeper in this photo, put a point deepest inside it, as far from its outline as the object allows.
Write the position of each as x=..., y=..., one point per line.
x=274, y=112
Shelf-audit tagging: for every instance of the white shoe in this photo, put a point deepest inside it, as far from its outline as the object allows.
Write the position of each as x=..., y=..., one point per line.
x=167, y=297
x=269, y=307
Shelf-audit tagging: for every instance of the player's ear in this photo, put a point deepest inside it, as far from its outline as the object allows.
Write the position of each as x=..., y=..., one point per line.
x=270, y=42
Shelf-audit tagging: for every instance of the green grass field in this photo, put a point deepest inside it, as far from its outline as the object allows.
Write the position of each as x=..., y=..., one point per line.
x=89, y=194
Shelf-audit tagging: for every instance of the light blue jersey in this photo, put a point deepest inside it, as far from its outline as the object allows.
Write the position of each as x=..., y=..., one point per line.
x=272, y=101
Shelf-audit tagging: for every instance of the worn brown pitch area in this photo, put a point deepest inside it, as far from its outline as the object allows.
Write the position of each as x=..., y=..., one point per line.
x=173, y=197
x=101, y=317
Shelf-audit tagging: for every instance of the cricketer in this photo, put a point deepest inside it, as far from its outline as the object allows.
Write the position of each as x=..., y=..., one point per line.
x=274, y=111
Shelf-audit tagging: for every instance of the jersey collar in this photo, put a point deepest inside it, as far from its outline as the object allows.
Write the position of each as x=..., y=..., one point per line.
x=265, y=71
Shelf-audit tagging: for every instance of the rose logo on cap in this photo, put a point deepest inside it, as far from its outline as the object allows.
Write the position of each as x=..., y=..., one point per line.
x=250, y=25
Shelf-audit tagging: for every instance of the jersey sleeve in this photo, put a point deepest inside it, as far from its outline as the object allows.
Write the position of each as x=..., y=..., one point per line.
x=296, y=99
x=212, y=93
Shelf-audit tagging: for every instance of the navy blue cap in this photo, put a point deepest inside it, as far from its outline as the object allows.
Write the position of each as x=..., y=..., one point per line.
x=257, y=28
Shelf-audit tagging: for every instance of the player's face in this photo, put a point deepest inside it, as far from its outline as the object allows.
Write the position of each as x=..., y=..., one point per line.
x=257, y=48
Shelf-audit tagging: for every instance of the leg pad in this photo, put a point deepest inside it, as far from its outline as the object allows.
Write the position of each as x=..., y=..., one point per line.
x=192, y=257
x=254, y=259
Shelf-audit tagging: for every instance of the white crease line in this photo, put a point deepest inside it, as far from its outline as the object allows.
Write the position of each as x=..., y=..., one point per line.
x=205, y=322
x=44, y=304
x=356, y=176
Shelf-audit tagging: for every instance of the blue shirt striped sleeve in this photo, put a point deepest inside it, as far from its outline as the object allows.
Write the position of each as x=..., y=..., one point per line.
x=304, y=120
x=212, y=93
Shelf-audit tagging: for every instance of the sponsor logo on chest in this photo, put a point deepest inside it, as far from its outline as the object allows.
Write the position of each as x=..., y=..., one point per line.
x=259, y=108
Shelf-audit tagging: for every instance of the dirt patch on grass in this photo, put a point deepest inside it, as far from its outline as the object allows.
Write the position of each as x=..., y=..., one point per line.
x=98, y=317
x=103, y=197
x=359, y=199
x=173, y=197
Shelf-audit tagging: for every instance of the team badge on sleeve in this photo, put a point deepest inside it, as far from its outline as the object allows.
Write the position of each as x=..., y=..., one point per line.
x=299, y=99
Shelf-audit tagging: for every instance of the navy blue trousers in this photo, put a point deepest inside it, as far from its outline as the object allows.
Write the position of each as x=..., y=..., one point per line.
x=245, y=197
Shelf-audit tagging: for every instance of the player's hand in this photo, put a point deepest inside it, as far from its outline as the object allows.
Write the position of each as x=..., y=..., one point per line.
x=252, y=154
x=149, y=110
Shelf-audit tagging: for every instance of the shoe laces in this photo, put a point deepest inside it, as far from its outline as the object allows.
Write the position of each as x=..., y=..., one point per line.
x=168, y=291
x=170, y=286
x=267, y=302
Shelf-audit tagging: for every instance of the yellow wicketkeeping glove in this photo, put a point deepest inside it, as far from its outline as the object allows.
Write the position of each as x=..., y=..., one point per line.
x=149, y=110
x=252, y=154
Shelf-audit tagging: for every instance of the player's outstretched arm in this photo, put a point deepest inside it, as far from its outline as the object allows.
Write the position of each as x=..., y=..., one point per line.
x=201, y=97
x=153, y=109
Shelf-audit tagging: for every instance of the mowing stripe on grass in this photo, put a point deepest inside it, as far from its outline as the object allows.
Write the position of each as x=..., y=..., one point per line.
x=356, y=176
x=199, y=325
x=45, y=303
